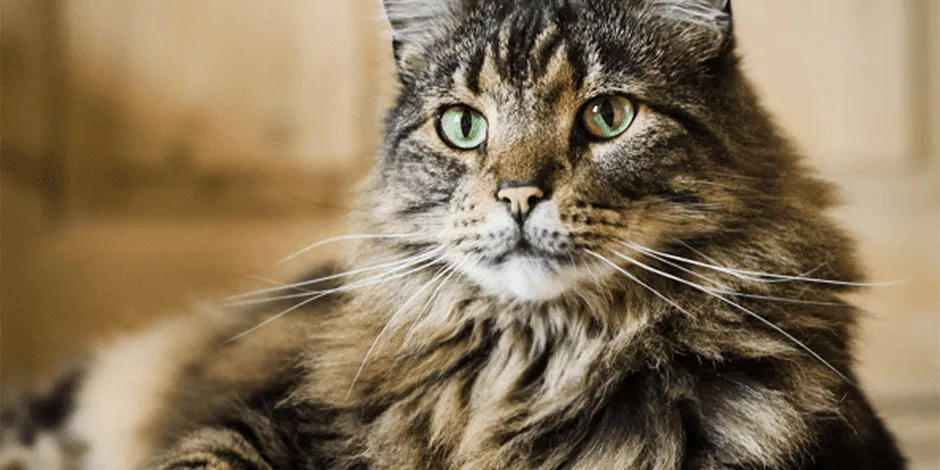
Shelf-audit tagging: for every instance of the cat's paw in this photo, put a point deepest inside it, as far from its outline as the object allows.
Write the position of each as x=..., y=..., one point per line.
x=209, y=461
x=212, y=449
x=197, y=462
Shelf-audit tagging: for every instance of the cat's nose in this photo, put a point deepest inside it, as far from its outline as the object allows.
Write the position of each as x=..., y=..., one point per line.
x=520, y=197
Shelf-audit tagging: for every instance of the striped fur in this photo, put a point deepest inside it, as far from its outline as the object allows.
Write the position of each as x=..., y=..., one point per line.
x=593, y=346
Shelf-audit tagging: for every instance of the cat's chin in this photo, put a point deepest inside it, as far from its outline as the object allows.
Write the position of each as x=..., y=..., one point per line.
x=523, y=277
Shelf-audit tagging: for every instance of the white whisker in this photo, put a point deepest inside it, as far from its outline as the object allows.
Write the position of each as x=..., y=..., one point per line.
x=756, y=276
x=274, y=318
x=638, y=281
x=280, y=285
x=349, y=237
x=664, y=260
x=371, y=281
x=743, y=309
x=319, y=295
x=785, y=300
x=723, y=288
x=393, y=264
x=715, y=266
x=385, y=328
x=453, y=270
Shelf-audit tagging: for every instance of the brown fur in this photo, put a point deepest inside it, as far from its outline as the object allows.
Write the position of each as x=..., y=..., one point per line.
x=600, y=342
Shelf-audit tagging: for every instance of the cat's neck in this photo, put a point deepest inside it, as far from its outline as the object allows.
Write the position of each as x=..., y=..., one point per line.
x=466, y=367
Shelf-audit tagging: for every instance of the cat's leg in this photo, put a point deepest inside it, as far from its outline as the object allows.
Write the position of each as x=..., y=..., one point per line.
x=246, y=438
x=213, y=449
x=741, y=425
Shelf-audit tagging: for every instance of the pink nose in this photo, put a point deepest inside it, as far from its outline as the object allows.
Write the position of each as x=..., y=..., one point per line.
x=520, y=199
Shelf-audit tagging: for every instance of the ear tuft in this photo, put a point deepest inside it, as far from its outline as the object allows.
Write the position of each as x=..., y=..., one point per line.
x=410, y=18
x=710, y=13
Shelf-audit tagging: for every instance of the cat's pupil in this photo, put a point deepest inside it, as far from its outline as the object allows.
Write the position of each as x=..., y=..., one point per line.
x=466, y=123
x=607, y=112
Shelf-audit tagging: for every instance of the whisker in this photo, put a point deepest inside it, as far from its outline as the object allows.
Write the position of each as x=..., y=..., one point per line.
x=692, y=248
x=727, y=291
x=593, y=273
x=786, y=300
x=349, y=237
x=743, y=309
x=716, y=263
x=664, y=260
x=242, y=303
x=638, y=281
x=279, y=284
x=371, y=281
x=714, y=267
x=385, y=328
x=409, y=260
x=322, y=294
x=427, y=305
x=273, y=319
x=453, y=270
x=778, y=280
x=745, y=274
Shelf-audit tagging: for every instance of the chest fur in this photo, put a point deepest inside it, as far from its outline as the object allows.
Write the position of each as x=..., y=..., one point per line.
x=520, y=412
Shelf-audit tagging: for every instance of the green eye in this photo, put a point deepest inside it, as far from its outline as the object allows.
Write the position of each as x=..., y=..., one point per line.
x=462, y=127
x=608, y=116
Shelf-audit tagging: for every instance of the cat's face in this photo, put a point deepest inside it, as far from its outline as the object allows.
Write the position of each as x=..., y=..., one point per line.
x=530, y=134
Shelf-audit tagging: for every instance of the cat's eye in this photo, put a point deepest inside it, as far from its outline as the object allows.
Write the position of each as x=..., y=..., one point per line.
x=462, y=127
x=608, y=116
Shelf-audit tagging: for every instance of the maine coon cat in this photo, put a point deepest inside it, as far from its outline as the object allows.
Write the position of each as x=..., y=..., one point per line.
x=585, y=246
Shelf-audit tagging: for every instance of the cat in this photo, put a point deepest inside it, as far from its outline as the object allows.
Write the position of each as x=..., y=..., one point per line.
x=585, y=245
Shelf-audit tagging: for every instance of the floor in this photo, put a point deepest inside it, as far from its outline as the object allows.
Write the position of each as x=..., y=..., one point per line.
x=65, y=284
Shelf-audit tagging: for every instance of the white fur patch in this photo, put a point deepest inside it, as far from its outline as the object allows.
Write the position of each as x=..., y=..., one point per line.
x=122, y=394
x=521, y=277
x=525, y=276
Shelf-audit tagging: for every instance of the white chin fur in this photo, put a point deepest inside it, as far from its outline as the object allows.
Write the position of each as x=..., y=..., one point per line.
x=522, y=278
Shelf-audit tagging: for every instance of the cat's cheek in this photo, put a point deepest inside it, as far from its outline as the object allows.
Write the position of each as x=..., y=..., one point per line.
x=545, y=230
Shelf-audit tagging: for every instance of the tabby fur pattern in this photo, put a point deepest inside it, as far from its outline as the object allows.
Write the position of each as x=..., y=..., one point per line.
x=654, y=310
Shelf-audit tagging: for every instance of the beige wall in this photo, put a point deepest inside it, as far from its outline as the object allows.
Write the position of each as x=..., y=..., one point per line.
x=934, y=78
x=290, y=80
x=834, y=71
x=243, y=82
x=24, y=75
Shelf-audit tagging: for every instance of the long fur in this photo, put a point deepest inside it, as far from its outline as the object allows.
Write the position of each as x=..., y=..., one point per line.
x=671, y=300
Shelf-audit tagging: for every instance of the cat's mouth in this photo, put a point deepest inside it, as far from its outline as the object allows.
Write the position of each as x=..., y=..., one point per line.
x=531, y=261
x=525, y=249
x=524, y=270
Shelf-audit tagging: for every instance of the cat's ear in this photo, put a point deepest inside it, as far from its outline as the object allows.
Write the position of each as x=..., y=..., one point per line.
x=412, y=20
x=710, y=13
x=711, y=22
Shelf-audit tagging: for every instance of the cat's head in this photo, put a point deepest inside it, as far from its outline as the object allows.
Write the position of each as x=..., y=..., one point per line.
x=532, y=135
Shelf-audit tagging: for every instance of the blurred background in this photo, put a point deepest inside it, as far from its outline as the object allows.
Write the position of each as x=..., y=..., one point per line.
x=161, y=153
